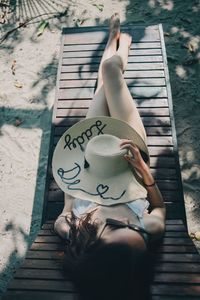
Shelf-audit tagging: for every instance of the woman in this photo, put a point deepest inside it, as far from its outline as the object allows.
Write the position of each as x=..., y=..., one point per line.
x=107, y=246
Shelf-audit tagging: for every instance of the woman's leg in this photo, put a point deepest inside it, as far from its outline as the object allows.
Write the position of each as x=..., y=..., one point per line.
x=120, y=102
x=99, y=105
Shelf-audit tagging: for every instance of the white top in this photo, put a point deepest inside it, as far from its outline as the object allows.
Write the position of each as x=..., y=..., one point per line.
x=138, y=206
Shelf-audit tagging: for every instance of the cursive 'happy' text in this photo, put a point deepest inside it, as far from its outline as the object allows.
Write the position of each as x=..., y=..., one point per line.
x=85, y=135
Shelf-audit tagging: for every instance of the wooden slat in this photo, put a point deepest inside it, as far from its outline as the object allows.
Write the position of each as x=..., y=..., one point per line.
x=144, y=112
x=174, y=210
x=175, y=227
x=176, y=290
x=148, y=121
x=176, y=234
x=47, y=247
x=48, y=239
x=53, y=255
x=150, y=131
x=158, y=131
x=178, y=257
x=46, y=285
x=94, y=47
x=173, y=278
x=39, y=295
x=162, y=297
x=46, y=232
x=148, y=34
x=85, y=93
x=44, y=264
x=178, y=267
x=39, y=274
x=99, y=53
x=83, y=83
x=176, y=249
x=81, y=112
x=96, y=60
x=130, y=72
x=162, y=162
x=140, y=103
x=178, y=241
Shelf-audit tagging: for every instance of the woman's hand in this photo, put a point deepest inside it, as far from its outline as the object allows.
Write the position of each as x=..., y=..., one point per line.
x=134, y=158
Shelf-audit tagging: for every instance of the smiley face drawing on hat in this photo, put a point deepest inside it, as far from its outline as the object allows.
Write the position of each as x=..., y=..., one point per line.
x=89, y=164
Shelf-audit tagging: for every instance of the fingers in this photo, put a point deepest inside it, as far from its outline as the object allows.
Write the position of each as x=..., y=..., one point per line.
x=128, y=158
x=130, y=145
x=127, y=142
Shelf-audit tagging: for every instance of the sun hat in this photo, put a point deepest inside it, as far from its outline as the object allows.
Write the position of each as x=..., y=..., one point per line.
x=89, y=164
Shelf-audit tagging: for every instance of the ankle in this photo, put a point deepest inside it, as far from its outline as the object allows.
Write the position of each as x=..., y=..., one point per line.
x=111, y=41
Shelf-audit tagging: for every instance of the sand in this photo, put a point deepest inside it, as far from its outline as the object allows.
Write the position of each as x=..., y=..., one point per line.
x=27, y=91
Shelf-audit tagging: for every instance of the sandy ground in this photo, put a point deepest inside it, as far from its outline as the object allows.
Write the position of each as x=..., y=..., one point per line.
x=27, y=92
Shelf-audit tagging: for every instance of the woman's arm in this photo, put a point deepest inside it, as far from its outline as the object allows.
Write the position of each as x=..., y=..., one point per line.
x=156, y=218
x=154, y=194
x=157, y=206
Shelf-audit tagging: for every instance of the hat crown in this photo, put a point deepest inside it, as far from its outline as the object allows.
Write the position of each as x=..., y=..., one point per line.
x=104, y=156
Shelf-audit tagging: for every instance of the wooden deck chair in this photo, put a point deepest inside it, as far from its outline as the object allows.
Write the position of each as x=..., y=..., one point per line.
x=177, y=260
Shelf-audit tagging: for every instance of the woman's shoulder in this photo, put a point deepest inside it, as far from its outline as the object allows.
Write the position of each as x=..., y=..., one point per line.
x=154, y=225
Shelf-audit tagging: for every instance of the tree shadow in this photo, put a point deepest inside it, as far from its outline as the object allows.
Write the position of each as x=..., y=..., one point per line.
x=29, y=14
x=181, y=34
x=17, y=237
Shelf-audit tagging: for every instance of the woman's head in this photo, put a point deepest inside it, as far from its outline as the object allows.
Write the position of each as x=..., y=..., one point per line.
x=105, y=270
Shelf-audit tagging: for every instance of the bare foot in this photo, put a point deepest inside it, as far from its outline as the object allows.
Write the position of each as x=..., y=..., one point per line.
x=114, y=26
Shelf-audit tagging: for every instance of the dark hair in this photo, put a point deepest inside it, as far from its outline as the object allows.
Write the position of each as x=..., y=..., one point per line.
x=105, y=271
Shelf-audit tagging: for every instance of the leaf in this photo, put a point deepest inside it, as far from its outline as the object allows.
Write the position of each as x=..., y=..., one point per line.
x=187, y=20
x=18, y=84
x=197, y=235
x=3, y=18
x=41, y=28
x=166, y=34
x=13, y=67
x=191, y=47
x=79, y=22
x=192, y=235
x=18, y=122
x=99, y=6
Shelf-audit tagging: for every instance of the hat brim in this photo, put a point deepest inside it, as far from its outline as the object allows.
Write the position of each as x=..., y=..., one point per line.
x=74, y=179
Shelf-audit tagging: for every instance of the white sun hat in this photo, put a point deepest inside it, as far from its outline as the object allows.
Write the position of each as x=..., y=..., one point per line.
x=88, y=163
